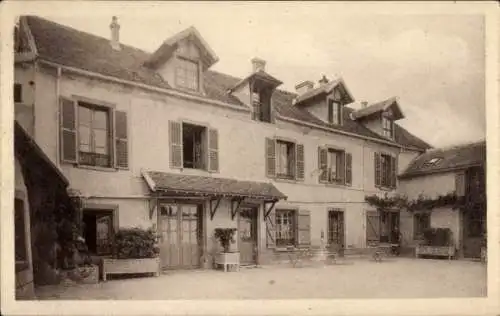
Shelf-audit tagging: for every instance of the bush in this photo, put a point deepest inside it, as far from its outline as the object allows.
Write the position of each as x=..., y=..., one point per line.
x=136, y=243
x=225, y=237
x=438, y=237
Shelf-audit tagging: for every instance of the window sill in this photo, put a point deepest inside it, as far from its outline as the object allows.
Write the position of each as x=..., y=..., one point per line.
x=286, y=180
x=383, y=188
x=335, y=185
x=96, y=168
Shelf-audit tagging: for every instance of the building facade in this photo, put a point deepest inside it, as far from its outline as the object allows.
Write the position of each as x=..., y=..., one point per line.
x=160, y=140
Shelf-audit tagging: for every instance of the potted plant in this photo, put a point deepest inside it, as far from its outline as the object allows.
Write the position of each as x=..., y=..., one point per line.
x=135, y=251
x=226, y=257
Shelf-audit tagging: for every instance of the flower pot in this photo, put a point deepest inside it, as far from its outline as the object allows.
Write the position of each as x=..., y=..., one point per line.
x=228, y=259
x=130, y=266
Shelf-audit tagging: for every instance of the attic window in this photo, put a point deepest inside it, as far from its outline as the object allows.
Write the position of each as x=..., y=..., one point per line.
x=432, y=162
x=187, y=74
x=334, y=112
x=387, y=127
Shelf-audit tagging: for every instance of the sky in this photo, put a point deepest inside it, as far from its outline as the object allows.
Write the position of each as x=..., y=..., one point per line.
x=434, y=63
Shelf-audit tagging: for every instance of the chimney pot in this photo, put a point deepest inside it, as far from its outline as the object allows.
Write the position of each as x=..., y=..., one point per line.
x=115, y=33
x=323, y=80
x=258, y=64
x=304, y=86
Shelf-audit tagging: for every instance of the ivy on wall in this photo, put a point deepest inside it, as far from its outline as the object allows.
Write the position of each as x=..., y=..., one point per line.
x=420, y=203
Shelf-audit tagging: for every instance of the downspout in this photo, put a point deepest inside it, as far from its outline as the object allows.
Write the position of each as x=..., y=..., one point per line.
x=58, y=116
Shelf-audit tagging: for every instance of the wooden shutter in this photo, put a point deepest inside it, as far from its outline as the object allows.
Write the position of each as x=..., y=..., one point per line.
x=378, y=169
x=68, y=130
x=303, y=228
x=271, y=229
x=121, y=140
x=394, y=171
x=341, y=167
x=460, y=183
x=213, y=150
x=372, y=227
x=176, y=159
x=270, y=157
x=299, y=153
x=348, y=168
x=323, y=164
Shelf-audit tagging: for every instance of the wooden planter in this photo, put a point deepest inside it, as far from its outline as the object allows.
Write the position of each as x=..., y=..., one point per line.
x=228, y=258
x=130, y=266
x=444, y=251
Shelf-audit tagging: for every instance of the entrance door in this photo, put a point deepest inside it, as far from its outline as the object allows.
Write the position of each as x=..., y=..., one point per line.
x=180, y=227
x=474, y=230
x=389, y=227
x=336, y=229
x=247, y=232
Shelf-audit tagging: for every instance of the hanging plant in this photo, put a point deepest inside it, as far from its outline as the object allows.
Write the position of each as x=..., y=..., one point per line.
x=420, y=203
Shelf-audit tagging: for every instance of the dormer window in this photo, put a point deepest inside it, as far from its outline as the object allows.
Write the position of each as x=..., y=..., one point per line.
x=334, y=112
x=187, y=74
x=387, y=127
x=261, y=101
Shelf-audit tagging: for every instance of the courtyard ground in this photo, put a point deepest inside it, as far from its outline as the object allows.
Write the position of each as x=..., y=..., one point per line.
x=356, y=278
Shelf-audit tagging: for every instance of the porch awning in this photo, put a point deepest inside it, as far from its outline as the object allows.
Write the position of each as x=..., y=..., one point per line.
x=179, y=184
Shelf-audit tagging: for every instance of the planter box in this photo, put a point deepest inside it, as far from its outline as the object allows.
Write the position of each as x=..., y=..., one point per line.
x=446, y=251
x=127, y=266
x=228, y=258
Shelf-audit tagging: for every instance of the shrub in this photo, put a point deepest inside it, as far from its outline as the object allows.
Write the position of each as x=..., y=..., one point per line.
x=136, y=243
x=438, y=237
x=225, y=237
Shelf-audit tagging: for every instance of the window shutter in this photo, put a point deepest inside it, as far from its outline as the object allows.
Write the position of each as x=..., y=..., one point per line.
x=175, y=129
x=323, y=164
x=270, y=157
x=460, y=183
x=394, y=171
x=341, y=168
x=213, y=150
x=300, y=161
x=372, y=227
x=378, y=170
x=271, y=229
x=68, y=130
x=121, y=140
x=303, y=228
x=348, y=169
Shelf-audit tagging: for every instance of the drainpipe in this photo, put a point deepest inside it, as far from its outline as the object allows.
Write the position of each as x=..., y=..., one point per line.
x=58, y=114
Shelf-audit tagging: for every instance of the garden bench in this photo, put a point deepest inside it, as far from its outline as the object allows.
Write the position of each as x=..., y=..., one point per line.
x=299, y=255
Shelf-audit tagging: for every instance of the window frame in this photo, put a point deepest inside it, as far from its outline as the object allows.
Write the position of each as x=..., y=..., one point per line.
x=340, y=160
x=204, y=145
x=264, y=98
x=291, y=163
x=387, y=126
x=182, y=61
x=385, y=177
x=292, y=218
x=332, y=106
x=417, y=224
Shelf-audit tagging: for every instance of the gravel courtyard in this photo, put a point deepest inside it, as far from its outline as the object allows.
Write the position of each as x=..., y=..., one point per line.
x=356, y=278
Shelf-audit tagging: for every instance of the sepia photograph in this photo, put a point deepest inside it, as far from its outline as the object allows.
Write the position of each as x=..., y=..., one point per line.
x=248, y=151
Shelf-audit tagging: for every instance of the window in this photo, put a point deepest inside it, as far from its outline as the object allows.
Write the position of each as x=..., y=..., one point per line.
x=21, y=252
x=261, y=101
x=187, y=74
x=94, y=135
x=432, y=162
x=336, y=227
x=421, y=222
x=18, y=92
x=285, y=162
x=285, y=227
x=194, y=146
x=385, y=170
x=98, y=231
x=387, y=127
x=335, y=166
x=334, y=112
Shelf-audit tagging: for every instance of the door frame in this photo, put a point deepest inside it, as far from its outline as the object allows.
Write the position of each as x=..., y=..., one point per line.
x=256, y=207
x=344, y=231
x=202, y=242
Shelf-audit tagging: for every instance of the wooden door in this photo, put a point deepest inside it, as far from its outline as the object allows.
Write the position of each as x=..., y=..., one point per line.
x=336, y=229
x=474, y=230
x=247, y=234
x=180, y=226
x=372, y=228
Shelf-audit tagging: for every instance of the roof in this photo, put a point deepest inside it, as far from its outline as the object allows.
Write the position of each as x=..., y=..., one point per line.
x=210, y=186
x=324, y=89
x=262, y=75
x=93, y=53
x=29, y=151
x=378, y=107
x=448, y=159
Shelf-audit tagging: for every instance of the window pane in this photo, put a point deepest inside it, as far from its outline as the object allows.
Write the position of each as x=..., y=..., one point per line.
x=187, y=74
x=84, y=138
x=100, y=120
x=84, y=115
x=100, y=141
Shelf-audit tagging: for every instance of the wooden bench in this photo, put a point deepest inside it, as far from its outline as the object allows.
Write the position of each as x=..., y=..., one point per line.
x=299, y=255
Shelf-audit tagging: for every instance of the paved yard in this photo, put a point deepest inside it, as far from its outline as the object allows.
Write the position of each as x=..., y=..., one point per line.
x=395, y=278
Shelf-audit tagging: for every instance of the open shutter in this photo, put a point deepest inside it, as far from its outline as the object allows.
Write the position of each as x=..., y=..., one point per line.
x=271, y=229
x=341, y=168
x=68, y=130
x=175, y=129
x=378, y=170
x=323, y=164
x=303, y=228
x=460, y=183
x=394, y=171
x=348, y=169
x=213, y=150
x=121, y=140
x=270, y=157
x=299, y=148
x=372, y=227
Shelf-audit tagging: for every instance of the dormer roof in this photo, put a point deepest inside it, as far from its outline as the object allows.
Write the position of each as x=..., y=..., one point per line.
x=259, y=75
x=165, y=51
x=326, y=89
x=389, y=104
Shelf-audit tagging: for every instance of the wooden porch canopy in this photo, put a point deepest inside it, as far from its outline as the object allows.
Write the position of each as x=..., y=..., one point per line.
x=214, y=189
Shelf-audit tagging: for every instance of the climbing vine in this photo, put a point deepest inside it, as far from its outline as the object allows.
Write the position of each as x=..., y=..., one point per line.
x=420, y=203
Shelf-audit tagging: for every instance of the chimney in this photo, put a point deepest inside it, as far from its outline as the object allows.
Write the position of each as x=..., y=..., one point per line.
x=304, y=86
x=364, y=104
x=323, y=81
x=258, y=64
x=115, y=33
